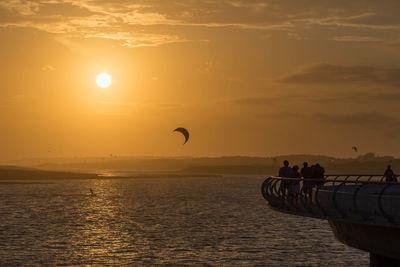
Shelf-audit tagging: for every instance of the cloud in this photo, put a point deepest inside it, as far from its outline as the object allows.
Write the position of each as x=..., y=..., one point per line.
x=142, y=105
x=371, y=119
x=355, y=38
x=393, y=44
x=99, y=27
x=351, y=21
x=128, y=39
x=387, y=125
x=336, y=74
x=21, y=7
x=296, y=36
x=94, y=18
x=365, y=121
x=47, y=68
x=112, y=20
x=361, y=97
x=286, y=115
x=105, y=21
x=376, y=97
x=254, y=101
x=362, y=118
x=256, y=7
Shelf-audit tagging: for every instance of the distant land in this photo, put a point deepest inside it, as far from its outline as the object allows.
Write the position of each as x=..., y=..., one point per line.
x=21, y=173
x=64, y=168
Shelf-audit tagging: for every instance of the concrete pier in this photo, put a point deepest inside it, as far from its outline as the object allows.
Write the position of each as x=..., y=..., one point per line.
x=363, y=211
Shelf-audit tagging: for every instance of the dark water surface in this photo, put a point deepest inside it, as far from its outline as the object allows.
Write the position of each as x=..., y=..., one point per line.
x=174, y=221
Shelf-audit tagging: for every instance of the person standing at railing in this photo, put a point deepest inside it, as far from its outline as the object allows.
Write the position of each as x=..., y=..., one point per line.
x=389, y=174
x=318, y=173
x=285, y=172
x=294, y=188
x=306, y=172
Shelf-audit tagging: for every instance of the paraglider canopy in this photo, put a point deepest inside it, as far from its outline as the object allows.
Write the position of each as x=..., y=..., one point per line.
x=184, y=132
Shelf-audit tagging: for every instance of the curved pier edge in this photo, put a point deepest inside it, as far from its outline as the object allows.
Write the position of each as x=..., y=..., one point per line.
x=380, y=241
x=362, y=210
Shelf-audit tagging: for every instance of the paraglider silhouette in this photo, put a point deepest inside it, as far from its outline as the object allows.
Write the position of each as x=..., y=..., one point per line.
x=355, y=149
x=184, y=132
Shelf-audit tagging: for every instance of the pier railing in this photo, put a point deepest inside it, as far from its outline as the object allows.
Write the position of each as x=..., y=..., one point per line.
x=364, y=198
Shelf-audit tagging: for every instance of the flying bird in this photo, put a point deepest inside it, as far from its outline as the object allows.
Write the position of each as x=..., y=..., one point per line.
x=355, y=148
x=184, y=132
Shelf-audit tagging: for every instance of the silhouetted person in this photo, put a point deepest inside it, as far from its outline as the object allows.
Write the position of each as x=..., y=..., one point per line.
x=294, y=188
x=389, y=174
x=285, y=172
x=313, y=172
x=306, y=172
x=318, y=173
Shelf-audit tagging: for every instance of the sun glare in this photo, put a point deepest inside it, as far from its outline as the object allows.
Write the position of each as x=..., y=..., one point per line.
x=103, y=80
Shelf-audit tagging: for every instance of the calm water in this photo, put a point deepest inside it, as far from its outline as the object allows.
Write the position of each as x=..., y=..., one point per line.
x=193, y=221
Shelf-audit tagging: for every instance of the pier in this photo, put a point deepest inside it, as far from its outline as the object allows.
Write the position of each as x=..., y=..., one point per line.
x=362, y=210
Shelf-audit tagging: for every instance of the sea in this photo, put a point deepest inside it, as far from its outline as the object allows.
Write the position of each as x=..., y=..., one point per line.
x=173, y=221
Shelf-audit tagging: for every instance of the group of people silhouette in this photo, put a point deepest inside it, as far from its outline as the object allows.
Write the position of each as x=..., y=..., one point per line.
x=314, y=176
x=291, y=189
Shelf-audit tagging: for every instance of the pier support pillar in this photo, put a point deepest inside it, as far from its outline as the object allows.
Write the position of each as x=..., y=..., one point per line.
x=381, y=261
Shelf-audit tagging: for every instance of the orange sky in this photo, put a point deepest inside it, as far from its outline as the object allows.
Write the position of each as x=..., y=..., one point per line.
x=245, y=77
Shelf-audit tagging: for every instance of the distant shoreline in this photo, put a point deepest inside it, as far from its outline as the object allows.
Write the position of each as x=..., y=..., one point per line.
x=230, y=165
x=10, y=174
x=142, y=168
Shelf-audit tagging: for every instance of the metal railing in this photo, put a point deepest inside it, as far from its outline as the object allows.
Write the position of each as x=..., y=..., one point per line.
x=365, y=198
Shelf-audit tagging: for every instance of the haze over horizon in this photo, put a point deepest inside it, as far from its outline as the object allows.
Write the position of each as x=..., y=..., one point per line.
x=246, y=77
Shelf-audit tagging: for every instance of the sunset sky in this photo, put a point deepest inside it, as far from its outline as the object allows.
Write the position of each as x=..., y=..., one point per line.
x=246, y=77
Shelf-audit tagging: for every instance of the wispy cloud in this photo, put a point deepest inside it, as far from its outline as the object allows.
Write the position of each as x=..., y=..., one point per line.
x=350, y=21
x=47, y=68
x=296, y=36
x=361, y=118
x=387, y=125
x=393, y=44
x=110, y=18
x=255, y=101
x=152, y=105
x=355, y=38
x=315, y=97
x=329, y=74
x=128, y=39
x=21, y=7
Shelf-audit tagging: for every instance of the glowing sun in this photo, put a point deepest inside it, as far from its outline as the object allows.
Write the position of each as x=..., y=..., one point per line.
x=103, y=80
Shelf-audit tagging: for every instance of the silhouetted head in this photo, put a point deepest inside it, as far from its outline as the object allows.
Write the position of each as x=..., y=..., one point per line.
x=305, y=164
x=295, y=168
x=389, y=166
x=317, y=165
x=286, y=163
